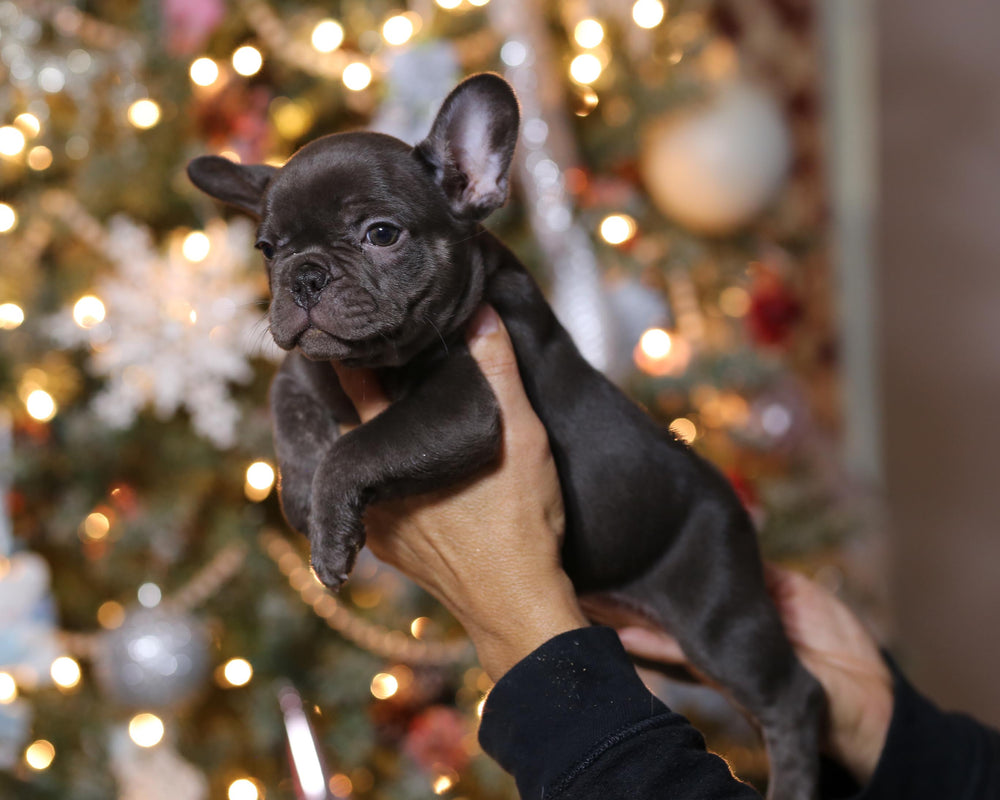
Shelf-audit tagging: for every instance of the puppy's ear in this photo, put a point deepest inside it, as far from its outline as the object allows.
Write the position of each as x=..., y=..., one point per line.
x=237, y=184
x=471, y=145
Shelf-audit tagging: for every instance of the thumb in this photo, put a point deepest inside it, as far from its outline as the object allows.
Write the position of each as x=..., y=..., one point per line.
x=490, y=345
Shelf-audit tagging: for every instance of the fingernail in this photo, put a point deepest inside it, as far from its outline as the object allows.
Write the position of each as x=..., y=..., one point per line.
x=483, y=323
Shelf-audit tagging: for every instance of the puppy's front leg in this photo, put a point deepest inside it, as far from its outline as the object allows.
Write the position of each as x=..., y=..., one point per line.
x=445, y=429
x=307, y=405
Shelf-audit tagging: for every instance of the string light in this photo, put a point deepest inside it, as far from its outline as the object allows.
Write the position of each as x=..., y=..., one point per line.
x=204, y=71
x=588, y=33
x=585, y=68
x=684, y=429
x=341, y=785
x=449, y=5
x=291, y=118
x=8, y=218
x=40, y=405
x=617, y=228
x=478, y=3
x=656, y=343
x=12, y=141
x=39, y=158
x=40, y=754
x=146, y=729
x=196, y=246
x=88, y=311
x=327, y=36
x=110, y=615
x=658, y=353
x=247, y=61
x=8, y=688
x=397, y=30
x=243, y=789
x=357, y=76
x=418, y=628
x=65, y=672
x=149, y=595
x=237, y=672
x=144, y=114
x=11, y=316
x=384, y=685
x=648, y=13
x=28, y=123
x=259, y=481
x=96, y=526
x=443, y=781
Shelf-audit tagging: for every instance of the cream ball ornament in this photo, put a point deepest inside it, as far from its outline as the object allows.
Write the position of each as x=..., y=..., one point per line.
x=715, y=167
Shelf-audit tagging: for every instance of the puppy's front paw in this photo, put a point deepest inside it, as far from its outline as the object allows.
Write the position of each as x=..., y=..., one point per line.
x=335, y=545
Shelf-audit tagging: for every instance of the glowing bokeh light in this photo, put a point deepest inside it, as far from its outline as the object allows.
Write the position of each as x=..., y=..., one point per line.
x=204, y=71
x=247, y=60
x=146, y=729
x=585, y=68
x=588, y=33
x=648, y=13
x=89, y=311
x=40, y=754
x=11, y=316
x=617, y=228
x=357, y=76
x=237, y=672
x=384, y=685
x=40, y=405
x=65, y=672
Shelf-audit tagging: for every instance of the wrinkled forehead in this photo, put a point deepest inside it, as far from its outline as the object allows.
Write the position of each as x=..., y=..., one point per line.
x=360, y=173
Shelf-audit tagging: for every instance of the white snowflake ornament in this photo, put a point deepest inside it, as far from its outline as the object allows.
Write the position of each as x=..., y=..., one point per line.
x=178, y=331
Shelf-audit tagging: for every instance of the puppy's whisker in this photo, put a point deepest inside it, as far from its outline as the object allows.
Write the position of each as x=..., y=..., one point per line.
x=435, y=327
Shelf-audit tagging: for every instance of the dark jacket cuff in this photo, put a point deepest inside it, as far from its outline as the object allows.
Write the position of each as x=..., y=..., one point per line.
x=560, y=703
x=931, y=753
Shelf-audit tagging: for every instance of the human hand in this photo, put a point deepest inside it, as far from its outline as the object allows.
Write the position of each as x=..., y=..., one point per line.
x=835, y=647
x=489, y=548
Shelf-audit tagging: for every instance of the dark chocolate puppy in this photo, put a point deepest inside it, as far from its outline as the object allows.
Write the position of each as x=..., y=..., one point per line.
x=376, y=258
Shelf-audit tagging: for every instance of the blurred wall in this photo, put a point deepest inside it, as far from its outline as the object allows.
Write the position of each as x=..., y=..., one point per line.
x=938, y=251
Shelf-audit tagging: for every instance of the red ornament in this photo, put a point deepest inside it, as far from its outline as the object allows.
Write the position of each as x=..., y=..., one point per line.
x=774, y=310
x=235, y=118
x=744, y=489
x=436, y=738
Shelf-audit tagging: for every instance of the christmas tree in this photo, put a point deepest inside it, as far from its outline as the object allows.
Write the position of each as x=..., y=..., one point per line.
x=161, y=634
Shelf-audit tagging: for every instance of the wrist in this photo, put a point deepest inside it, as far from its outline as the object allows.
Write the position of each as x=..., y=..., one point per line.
x=506, y=633
x=860, y=748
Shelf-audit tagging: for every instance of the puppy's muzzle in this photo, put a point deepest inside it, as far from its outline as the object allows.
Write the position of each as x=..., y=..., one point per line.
x=308, y=283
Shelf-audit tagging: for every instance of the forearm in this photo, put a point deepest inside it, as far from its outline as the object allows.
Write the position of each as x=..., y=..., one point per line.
x=573, y=720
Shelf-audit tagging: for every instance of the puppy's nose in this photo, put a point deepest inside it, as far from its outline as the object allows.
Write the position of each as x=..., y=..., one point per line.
x=308, y=283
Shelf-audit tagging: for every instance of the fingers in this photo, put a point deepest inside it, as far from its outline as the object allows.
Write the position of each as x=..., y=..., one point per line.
x=652, y=645
x=363, y=389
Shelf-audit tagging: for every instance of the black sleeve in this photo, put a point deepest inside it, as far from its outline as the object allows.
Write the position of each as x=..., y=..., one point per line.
x=931, y=755
x=573, y=720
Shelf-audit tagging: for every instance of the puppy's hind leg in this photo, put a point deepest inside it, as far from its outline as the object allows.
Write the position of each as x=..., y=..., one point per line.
x=711, y=595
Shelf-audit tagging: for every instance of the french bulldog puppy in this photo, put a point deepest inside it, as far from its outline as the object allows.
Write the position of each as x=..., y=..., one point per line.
x=377, y=258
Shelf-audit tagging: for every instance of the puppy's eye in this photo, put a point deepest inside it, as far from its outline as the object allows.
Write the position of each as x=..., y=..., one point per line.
x=266, y=248
x=382, y=234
